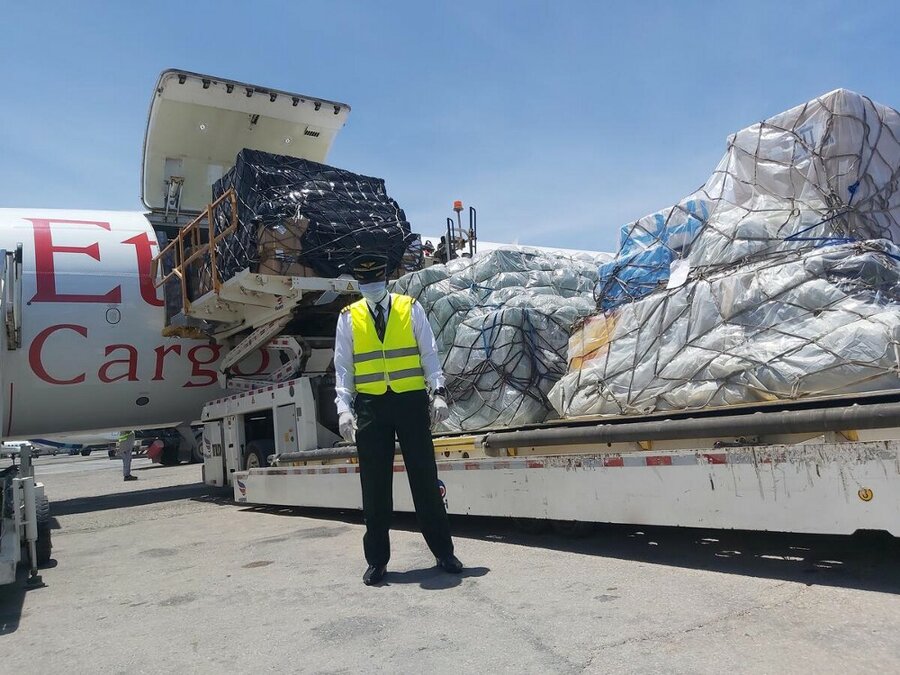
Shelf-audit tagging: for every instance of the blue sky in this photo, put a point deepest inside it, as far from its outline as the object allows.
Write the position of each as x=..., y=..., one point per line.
x=560, y=121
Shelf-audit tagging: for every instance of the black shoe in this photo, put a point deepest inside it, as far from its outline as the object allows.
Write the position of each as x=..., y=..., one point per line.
x=130, y=477
x=450, y=564
x=374, y=574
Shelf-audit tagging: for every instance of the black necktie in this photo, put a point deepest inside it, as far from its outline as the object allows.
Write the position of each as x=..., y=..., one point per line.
x=379, y=321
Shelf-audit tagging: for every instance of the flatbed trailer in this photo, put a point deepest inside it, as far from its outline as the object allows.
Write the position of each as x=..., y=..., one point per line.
x=826, y=468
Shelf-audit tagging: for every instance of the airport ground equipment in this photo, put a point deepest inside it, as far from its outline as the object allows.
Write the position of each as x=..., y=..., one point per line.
x=24, y=521
x=833, y=468
x=829, y=465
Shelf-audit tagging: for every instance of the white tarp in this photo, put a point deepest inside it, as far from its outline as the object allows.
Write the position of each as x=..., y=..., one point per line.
x=778, y=279
x=501, y=322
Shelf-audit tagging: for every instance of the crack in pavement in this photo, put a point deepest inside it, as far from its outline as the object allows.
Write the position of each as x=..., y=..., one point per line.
x=703, y=624
x=560, y=661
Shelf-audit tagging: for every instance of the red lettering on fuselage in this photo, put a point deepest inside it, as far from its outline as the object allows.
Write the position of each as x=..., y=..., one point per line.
x=125, y=368
x=161, y=359
x=45, y=273
x=196, y=370
x=143, y=248
x=37, y=346
x=130, y=375
x=199, y=356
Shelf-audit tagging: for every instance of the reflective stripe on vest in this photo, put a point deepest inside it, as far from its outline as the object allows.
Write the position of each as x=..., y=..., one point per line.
x=394, y=362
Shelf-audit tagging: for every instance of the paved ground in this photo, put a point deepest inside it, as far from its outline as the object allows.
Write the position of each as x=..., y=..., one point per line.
x=161, y=575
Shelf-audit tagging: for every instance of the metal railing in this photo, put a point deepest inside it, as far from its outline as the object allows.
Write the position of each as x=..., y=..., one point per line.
x=11, y=302
x=188, y=247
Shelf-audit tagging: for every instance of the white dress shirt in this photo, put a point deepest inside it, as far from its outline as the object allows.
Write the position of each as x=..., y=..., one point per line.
x=344, y=387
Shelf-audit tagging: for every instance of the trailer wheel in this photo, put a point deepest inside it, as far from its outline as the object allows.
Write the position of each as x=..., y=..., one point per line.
x=572, y=528
x=42, y=509
x=257, y=455
x=43, y=546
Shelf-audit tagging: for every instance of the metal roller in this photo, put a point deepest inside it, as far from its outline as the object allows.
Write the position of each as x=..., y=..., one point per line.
x=875, y=416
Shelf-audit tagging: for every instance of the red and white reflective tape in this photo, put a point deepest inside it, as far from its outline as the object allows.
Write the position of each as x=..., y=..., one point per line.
x=308, y=470
x=576, y=462
x=254, y=392
x=559, y=462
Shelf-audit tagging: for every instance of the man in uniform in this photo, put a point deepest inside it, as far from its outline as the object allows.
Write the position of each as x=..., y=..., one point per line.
x=384, y=358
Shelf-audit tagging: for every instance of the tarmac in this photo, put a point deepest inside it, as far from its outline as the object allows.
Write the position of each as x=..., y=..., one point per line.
x=166, y=575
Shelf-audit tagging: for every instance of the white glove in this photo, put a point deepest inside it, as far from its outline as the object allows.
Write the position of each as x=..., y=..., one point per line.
x=347, y=426
x=439, y=410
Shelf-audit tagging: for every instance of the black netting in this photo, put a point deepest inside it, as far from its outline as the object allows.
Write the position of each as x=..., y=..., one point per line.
x=303, y=218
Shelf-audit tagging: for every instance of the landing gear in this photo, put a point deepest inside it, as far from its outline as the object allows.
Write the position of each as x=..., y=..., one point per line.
x=169, y=456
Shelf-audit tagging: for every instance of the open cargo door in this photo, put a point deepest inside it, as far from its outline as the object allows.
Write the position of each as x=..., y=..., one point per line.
x=198, y=124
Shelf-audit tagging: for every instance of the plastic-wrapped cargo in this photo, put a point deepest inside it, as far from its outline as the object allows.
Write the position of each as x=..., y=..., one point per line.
x=302, y=218
x=778, y=279
x=501, y=322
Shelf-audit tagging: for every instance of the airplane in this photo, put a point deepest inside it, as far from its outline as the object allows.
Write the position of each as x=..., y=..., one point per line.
x=81, y=347
x=68, y=444
x=9, y=449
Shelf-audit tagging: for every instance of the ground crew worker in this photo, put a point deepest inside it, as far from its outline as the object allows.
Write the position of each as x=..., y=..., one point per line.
x=126, y=447
x=440, y=253
x=384, y=358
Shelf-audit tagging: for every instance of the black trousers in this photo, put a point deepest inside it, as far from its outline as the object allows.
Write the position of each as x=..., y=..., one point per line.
x=378, y=419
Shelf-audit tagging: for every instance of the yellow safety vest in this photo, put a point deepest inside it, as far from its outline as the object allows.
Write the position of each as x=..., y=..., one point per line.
x=394, y=363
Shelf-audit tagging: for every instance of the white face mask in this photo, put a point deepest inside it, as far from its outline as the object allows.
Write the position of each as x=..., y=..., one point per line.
x=374, y=292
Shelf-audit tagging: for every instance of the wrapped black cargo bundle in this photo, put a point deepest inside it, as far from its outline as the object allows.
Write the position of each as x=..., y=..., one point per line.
x=302, y=218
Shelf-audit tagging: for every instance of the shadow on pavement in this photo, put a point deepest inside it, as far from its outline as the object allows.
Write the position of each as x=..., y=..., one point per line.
x=865, y=561
x=12, y=597
x=433, y=578
x=120, y=500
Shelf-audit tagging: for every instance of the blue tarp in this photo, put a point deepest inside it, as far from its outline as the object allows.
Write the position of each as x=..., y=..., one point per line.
x=646, y=251
x=632, y=277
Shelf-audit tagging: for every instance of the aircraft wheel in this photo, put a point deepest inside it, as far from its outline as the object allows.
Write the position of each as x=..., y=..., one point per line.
x=169, y=455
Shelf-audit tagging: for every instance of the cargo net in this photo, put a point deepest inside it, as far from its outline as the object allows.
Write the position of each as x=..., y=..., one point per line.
x=778, y=279
x=302, y=218
x=501, y=322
